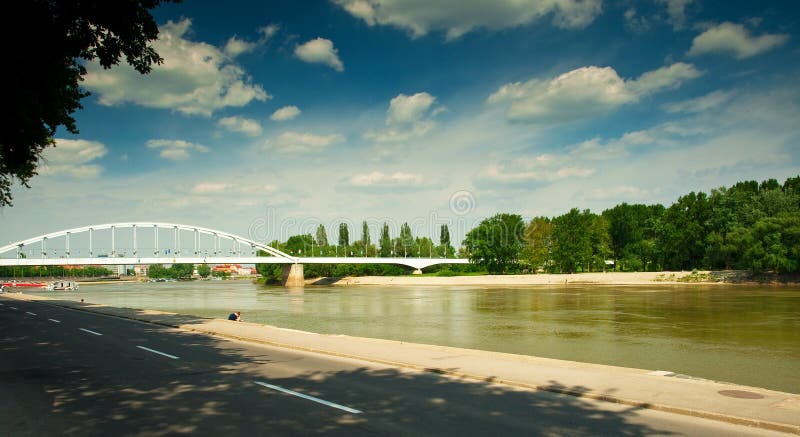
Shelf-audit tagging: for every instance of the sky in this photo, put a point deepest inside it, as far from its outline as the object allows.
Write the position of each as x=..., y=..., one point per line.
x=267, y=119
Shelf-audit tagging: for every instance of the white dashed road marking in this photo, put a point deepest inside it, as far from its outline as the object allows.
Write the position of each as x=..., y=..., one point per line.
x=310, y=398
x=28, y=312
x=54, y=320
x=157, y=352
x=90, y=331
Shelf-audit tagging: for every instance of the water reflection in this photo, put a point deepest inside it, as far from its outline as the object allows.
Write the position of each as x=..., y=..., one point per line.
x=748, y=335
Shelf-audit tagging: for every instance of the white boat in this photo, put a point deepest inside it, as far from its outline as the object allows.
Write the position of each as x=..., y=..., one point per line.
x=62, y=286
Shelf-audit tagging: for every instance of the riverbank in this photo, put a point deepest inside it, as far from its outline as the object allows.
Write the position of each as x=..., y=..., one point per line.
x=659, y=390
x=609, y=278
x=599, y=278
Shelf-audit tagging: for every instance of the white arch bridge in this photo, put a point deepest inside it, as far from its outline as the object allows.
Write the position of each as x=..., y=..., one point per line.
x=116, y=249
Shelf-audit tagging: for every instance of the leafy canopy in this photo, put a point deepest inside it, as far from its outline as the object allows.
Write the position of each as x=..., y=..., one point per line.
x=44, y=43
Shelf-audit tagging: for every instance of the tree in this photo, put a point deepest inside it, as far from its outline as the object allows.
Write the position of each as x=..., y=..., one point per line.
x=600, y=241
x=406, y=239
x=683, y=232
x=365, y=234
x=182, y=271
x=385, y=241
x=298, y=244
x=444, y=240
x=496, y=243
x=538, y=243
x=157, y=271
x=444, y=235
x=344, y=235
x=572, y=246
x=203, y=270
x=45, y=42
x=322, y=236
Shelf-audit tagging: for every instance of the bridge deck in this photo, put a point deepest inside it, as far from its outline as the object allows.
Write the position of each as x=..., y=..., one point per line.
x=417, y=263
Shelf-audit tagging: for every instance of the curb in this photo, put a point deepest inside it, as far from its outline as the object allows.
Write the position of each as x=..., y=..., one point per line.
x=736, y=420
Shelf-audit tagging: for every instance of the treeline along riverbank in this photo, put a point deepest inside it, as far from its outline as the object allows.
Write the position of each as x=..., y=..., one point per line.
x=753, y=226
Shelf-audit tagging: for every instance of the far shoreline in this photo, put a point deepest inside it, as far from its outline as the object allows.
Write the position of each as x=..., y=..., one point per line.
x=549, y=279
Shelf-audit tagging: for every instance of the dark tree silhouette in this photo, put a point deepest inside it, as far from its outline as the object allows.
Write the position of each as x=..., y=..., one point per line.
x=44, y=45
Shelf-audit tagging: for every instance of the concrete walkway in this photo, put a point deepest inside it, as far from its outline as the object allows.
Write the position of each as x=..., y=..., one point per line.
x=643, y=388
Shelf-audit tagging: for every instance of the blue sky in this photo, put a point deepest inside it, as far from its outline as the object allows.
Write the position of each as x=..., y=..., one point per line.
x=268, y=118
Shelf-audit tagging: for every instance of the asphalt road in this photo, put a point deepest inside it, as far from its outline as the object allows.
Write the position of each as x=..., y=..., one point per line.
x=67, y=372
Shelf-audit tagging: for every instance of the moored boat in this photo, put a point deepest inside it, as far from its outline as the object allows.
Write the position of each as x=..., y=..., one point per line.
x=62, y=286
x=14, y=284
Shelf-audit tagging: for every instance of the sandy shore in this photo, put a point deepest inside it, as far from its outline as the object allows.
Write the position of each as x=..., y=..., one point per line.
x=609, y=278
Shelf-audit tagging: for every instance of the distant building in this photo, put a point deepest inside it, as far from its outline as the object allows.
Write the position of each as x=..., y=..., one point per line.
x=234, y=269
x=141, y=269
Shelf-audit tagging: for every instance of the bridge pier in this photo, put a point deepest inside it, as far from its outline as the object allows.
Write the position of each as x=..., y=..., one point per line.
x=292, y=275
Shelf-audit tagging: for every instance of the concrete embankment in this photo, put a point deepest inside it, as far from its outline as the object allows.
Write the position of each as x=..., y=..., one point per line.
x=664, y=391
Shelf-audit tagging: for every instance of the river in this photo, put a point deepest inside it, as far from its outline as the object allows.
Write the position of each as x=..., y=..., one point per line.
x=740, y=334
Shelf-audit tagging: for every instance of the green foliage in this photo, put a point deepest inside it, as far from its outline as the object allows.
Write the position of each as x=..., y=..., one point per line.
x=272, y=273
x=322, y=236
x=385, y=241
x=54, y=271
x=344, y=235
x=444, y=235
x=182, y=271
x=158, y=271
x=176, y=271
x=46, y=45
x=365, y=239
x=572, y=245
x=204, y=270
x=298, y=245
x=683, y=232
x=775, y=244
x=406, y=240
x=496, y=243
x=750, y=225
x=537, y=252
x=220, y=274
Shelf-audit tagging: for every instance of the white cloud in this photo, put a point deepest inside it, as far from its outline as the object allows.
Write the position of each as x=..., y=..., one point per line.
x=618, y=193
x=457, y=17
x=268, y=32
x=247, y=126
x=296, y=142
x=235, y=46
x=634, y=22
x=175, y=149
x=663, y=78
x=595, y=149
x=209, y=188
x=377, y=179
x=320, y=51
x=72, y=158
x=545, y=168
x=405, y=109
x=735, y=40
x=227, y=188
x=285, y=113
x=676, y=10
x=195, y=79
x=700, y=104
x=584, y=92
x=407, y=117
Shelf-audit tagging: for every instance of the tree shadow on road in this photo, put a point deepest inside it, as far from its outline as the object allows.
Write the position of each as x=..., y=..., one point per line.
x=53, y=383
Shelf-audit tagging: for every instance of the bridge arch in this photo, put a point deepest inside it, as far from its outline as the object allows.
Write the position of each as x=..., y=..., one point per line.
x=146, y=225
